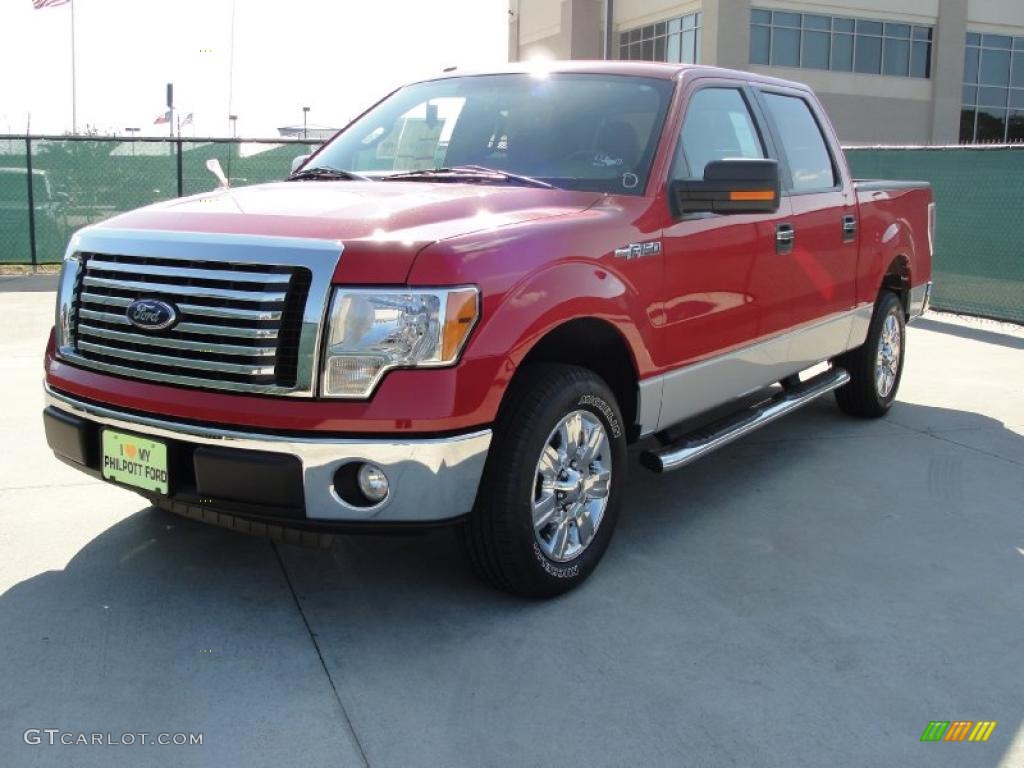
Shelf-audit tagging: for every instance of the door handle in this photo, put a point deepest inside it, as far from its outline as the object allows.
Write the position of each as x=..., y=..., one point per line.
x=785, y=236
x=849, y=229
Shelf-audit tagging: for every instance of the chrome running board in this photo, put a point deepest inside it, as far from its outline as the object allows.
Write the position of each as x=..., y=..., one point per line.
x=701, y=442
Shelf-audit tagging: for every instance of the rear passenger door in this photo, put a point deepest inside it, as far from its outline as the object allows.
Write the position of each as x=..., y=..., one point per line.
x=821, y=267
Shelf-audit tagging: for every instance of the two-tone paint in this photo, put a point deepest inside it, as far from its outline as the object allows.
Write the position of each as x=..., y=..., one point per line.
x=710, y=313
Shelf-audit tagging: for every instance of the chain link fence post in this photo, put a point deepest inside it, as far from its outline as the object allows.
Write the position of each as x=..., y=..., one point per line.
x=31, y=204
x=181, y=186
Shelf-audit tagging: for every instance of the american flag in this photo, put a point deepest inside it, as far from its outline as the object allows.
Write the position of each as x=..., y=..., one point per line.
x=164, y=118
x=37, y=4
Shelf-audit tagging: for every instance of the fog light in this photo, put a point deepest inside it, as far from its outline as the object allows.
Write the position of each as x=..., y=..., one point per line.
x=373, y=483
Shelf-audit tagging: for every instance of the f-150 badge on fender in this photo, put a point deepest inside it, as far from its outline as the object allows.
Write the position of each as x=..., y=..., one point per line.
x=636, y=250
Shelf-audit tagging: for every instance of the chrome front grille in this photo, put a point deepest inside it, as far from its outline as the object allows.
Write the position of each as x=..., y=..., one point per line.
x=239, y=326
x=250, y=308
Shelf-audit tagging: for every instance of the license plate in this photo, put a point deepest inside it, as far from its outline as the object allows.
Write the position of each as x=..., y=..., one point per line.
x=136, y=461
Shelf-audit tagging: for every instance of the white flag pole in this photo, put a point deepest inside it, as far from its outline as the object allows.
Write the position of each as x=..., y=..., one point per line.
x=231, y=68
x=74, y=84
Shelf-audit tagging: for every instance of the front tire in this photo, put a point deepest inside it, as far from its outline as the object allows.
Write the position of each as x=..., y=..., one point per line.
x=548, y=500
x=876, y=367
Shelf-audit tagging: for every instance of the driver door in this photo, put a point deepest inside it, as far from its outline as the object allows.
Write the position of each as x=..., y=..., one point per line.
x=719, y=269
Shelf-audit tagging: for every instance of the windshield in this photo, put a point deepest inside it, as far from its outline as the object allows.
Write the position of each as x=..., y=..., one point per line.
x=588, y=132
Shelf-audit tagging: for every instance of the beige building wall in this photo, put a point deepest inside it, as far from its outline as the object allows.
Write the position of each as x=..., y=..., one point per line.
x=727, y=33
x=947, y=72
x=867, y=109
x=1000, y=16
x=894, y=10
x=555, y=29
x=636, y=13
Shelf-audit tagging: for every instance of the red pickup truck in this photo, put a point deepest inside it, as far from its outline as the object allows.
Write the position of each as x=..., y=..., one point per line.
x=464, y=307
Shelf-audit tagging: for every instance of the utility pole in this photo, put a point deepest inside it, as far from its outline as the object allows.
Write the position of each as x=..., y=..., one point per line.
x=305, y=114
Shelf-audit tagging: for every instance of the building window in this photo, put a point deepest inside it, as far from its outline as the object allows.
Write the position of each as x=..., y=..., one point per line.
x=839, y=44
x=993, y=98
x=676, y=41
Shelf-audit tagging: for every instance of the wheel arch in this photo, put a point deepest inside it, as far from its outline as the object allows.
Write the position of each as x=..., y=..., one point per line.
x=597, y=345
x=897, y=278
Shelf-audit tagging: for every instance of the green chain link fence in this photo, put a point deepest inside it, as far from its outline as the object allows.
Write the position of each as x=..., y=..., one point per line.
x=979, y=241
x=979, y=260
x=78, y=181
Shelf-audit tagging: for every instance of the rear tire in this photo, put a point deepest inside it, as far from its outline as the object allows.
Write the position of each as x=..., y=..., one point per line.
x=548, y=499
x=876, y=367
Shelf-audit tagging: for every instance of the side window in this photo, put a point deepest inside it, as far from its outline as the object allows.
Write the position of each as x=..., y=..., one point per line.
x=718, y=126
x=809, y=160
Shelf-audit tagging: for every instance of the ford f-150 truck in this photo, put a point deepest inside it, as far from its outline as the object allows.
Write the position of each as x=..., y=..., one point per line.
x=464, y=307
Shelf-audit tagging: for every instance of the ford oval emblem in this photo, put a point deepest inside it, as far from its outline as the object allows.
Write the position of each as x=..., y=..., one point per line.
x=151, y=314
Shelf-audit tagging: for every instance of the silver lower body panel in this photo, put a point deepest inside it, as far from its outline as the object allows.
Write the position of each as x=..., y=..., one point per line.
x=701, y=443
x=696, y=389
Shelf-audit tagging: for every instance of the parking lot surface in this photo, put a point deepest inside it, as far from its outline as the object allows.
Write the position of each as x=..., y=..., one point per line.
x=812, y=595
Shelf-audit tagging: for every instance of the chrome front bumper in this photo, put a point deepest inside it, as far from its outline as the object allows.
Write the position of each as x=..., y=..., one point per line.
x=431, y=479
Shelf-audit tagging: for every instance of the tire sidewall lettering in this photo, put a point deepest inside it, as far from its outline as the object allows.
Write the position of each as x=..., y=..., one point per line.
x=602, y=407
x=553, y=569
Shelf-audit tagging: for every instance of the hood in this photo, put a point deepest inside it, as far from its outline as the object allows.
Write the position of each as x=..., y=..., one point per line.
x=383, y=225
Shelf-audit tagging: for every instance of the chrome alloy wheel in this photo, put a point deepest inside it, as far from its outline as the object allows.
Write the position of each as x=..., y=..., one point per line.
x=887, y=362
x=573, y=481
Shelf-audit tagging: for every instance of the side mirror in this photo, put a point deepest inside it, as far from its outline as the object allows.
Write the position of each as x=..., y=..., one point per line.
x=730, y=186
x=298, y=162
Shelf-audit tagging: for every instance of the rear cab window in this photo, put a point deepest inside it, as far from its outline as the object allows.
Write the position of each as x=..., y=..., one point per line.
x=811, y=165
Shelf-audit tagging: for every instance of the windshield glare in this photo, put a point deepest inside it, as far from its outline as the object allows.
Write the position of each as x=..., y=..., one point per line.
x=588, y=132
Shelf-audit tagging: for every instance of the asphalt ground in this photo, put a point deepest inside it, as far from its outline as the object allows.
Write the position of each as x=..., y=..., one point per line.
x=813, y=595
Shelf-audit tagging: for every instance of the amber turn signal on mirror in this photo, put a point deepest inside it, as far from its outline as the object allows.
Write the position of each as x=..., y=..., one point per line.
x=729, y=186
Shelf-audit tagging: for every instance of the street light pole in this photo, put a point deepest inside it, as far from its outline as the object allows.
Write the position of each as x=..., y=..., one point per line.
x=305, y=114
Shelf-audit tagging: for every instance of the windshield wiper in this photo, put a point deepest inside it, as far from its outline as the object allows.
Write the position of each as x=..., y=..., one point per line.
x=326, y=172
x=468, y=173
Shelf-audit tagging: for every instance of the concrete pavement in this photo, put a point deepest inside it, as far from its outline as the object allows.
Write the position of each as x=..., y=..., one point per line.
x=813, y=595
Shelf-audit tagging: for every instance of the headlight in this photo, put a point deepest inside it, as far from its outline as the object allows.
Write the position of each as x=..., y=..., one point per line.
x=66, y=297
x=371, y=331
